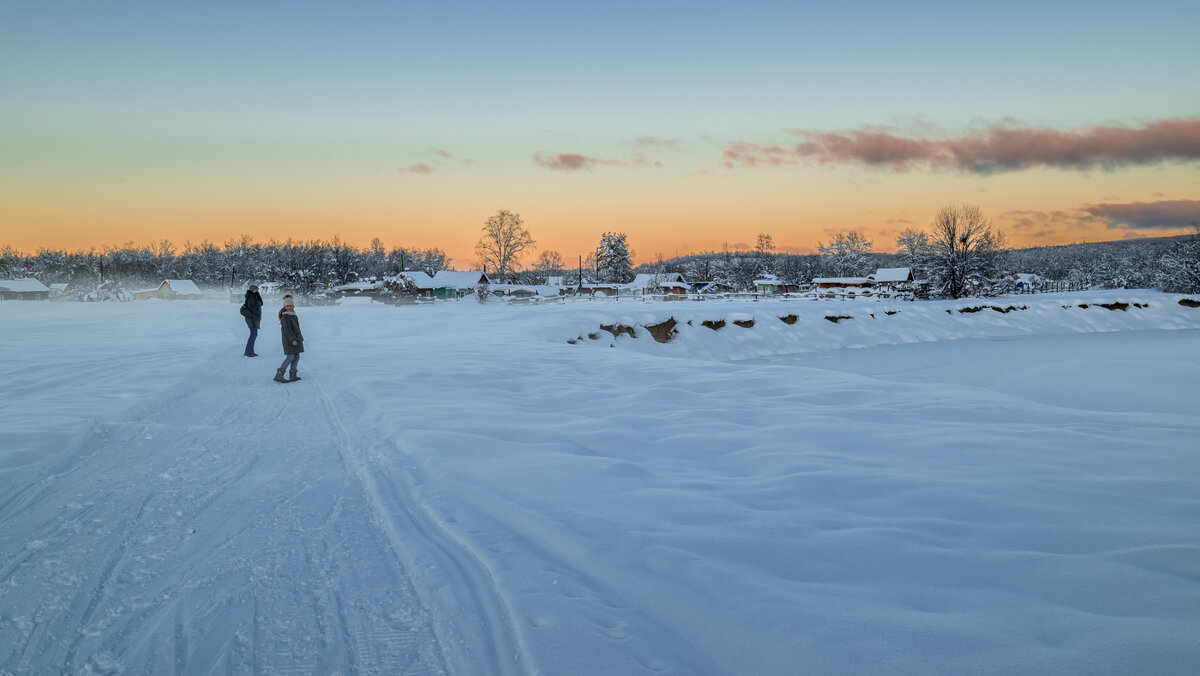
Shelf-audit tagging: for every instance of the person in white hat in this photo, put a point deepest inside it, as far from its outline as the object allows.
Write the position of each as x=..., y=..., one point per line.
x=293, y=340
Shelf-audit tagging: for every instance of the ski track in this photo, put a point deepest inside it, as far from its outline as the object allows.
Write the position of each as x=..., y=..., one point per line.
x=391, y=498
x=177, y=544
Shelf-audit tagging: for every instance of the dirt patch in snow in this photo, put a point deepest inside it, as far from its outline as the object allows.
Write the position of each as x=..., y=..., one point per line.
x=997, y=308
x=618, y=329
x=664, y=331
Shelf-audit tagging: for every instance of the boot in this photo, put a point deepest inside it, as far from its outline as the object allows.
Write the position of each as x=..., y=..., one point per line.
x=292, y=377
x=279, y=376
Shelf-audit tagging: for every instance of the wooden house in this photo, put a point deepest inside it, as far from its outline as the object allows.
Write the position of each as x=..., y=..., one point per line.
x=171, y=289
x=26, y=288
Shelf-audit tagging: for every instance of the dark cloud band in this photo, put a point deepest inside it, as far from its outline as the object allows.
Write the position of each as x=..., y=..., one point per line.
x=1164, y=215
x=999, y=147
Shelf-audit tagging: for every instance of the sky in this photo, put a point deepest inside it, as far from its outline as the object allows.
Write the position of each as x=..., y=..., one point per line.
x=688, y=126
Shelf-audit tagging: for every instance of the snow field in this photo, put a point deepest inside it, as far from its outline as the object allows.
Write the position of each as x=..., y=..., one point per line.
x=456, y=489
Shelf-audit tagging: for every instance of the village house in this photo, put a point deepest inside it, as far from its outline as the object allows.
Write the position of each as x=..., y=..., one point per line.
x=356, y=289
x=446, y=284
x=670, y=285
x=599, y=288
x=892, y=280
x=772, y=284
x=27, y=288
x=171, y=289
x=842, y=287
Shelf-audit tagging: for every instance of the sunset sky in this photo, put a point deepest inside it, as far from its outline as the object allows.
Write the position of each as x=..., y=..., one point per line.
x=690, y=126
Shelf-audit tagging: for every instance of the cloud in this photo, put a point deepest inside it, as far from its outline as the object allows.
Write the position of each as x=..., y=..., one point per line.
x=1162, y=215
x=751, y=155
x=1003, y=146
x=419, y=169
x=563, y=161
x=442, y=153
x=1045, y=221
x=576, y=162
x=659, y=142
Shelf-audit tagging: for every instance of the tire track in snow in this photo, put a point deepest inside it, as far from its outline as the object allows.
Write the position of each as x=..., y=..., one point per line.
x=499, y=644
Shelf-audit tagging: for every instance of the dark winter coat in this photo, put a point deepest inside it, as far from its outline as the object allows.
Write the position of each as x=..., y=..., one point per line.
x=289, y=324
x=254, y=303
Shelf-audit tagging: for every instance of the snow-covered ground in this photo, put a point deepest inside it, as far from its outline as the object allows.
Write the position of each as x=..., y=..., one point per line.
x=456, y=488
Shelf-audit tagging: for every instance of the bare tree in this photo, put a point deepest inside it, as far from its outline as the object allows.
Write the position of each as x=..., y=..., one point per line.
x=549, y=264
x=965, y=252
x=764, y=245
x=504, y=239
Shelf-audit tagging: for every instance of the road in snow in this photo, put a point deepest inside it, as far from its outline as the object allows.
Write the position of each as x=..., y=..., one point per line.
x=455, y=489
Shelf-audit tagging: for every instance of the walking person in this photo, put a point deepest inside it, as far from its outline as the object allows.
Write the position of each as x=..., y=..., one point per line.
x=252, y=311
x=293, y=340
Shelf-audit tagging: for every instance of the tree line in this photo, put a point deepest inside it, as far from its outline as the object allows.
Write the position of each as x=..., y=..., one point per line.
x=961, y=254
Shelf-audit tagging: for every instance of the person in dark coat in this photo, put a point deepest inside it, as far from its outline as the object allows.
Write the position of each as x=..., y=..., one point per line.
x=253, y=315
x=293, y=340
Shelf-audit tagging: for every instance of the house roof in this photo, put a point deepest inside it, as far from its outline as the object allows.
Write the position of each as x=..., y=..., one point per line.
x=447, y=279
x=893, y=275
x=459, y=279
x=183, y=287
x=418, y=277
x=25, y=285
x=648, y=279
x=769, y=279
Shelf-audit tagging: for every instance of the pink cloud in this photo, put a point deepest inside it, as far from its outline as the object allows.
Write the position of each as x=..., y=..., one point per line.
x=1004, y=146
x=576, y=162
x=420, y=169
x=562, y=161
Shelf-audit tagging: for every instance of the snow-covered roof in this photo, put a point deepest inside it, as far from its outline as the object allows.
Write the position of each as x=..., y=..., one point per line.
x=893, y=274
x=769, y=279
x=418, y=278
x=183, y=287
x=459, y=279
x=652, y=279
x=25, y=285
